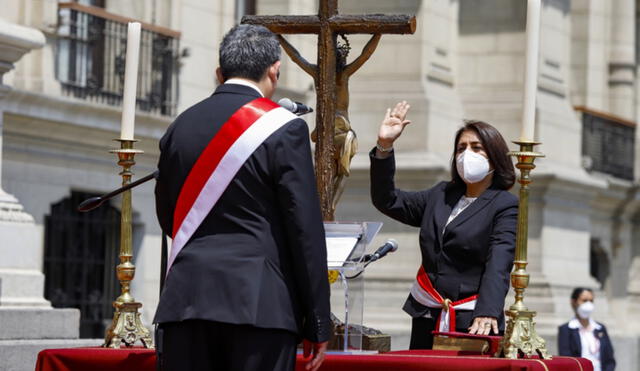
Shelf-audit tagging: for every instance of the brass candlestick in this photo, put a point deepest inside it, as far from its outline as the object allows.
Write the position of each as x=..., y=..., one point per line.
x=126, y=326
x=520, y=334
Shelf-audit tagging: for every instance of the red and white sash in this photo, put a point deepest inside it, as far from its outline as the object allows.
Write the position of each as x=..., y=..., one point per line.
x=425, y=294
x=218, y=164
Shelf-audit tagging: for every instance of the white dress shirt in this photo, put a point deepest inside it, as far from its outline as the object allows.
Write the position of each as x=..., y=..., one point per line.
x=589, y=343
x=245, y=83
x=462, y=204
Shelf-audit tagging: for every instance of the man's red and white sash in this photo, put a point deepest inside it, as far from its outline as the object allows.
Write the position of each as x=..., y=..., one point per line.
x=425, y=294
x=218, y=164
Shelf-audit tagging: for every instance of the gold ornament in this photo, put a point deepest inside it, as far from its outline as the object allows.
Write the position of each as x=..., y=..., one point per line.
x=333, y=276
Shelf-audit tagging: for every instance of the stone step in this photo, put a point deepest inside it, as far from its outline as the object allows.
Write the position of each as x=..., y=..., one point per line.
x=22, y=287
x=21, y=355
x=388, y=327
x=400, y=341
x=39, y=323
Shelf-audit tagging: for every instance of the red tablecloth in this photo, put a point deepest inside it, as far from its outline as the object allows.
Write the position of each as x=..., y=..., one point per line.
x=96, y=359
x=136, y=359
x=423, y=360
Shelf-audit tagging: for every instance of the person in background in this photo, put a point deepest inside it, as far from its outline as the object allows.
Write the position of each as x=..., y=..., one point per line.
x=584, y=337
x=467, y=230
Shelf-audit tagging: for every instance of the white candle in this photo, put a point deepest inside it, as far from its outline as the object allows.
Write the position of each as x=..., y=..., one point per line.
x=130, y=81
x=531, y=71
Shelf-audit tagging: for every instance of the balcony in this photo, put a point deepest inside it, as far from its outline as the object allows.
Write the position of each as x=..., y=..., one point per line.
x=608, y=143
x=90, y=59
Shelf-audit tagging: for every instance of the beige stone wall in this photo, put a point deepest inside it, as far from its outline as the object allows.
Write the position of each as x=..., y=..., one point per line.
x=465, y=60
x=590, y=33
x=295, y=83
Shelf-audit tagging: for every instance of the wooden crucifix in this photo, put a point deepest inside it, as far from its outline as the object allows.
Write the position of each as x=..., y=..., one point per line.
x=331, y=75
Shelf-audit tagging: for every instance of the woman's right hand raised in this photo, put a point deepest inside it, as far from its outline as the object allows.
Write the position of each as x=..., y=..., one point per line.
x=393, y=124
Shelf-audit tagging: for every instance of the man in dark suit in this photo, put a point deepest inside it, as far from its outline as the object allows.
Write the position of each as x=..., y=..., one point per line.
x=248, y=279
x=584, y=337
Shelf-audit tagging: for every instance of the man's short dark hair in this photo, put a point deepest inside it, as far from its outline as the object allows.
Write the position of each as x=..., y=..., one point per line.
x=247, y=51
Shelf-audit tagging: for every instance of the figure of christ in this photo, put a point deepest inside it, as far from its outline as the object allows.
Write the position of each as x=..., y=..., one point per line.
x=345, y=141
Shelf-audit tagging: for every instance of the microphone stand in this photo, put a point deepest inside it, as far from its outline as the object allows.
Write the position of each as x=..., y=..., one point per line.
x=95, y=202
x=163, y=262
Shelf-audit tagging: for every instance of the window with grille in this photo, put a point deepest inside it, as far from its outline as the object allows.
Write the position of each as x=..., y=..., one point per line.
x=608, y=144
x=90, y=58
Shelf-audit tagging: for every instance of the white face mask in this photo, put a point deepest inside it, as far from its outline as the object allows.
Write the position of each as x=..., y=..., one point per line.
x=472, y=167
x=585, y=309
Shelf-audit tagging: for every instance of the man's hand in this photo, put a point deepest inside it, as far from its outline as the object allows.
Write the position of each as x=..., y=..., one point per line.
x=484, y=325
x=317, y=350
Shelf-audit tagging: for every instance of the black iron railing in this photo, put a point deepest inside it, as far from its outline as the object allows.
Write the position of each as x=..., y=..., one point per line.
x=91, y=53
x=608, y=143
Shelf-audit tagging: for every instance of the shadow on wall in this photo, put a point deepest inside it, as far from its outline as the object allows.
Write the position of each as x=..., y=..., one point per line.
x=384, y=7
x=491, y=16
x=599, y=262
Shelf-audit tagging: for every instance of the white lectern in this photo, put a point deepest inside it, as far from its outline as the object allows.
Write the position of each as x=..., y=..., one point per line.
x=346, y=248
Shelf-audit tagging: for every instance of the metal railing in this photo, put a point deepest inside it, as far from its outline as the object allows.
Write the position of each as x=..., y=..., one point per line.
x=90, y=59
x=608, y=143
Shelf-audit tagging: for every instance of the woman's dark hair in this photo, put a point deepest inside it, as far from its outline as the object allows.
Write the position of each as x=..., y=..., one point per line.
x=496, y=149
x=575, y=294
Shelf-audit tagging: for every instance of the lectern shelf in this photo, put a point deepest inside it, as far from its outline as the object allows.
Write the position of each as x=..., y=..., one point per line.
x=347, y=243
x=346, y=247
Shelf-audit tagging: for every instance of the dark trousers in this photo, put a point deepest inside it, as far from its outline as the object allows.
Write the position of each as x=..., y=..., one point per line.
x=206, y=345
x=421, y=336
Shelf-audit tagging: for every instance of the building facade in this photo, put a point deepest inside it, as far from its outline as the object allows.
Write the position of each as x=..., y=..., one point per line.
x=465, y=61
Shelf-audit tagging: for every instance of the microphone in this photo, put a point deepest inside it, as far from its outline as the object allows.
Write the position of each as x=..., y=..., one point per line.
x=390, y=246
x=295, y=107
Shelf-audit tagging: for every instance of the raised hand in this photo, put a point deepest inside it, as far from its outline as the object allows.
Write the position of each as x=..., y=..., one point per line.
x=393, y=124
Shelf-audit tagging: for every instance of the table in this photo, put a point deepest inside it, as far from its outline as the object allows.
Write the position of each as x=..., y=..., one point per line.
x=139, y=359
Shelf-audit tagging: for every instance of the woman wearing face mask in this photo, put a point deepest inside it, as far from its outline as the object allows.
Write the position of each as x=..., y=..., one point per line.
x=584, y=337
x=467, y=230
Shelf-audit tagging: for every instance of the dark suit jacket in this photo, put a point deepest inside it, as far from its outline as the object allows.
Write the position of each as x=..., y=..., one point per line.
x=475, y=253
x=259, y=257
x=569, y=345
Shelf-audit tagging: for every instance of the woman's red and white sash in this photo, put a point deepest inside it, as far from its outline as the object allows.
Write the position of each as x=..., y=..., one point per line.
x=218, y=164
x=425, y=294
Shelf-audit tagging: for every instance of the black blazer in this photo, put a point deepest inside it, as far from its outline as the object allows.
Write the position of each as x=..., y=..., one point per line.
x=569, y=345
x=259, y=257
x=475, y=253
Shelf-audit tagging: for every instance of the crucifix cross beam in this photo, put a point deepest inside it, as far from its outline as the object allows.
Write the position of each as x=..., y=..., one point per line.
x=341, y=24
x=328, y=24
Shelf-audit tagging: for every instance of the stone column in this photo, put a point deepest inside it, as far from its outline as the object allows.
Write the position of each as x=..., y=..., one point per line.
x=622, y=58
x=15, y=41
x=24, y=313
x=20, y=268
